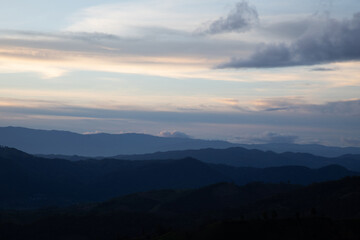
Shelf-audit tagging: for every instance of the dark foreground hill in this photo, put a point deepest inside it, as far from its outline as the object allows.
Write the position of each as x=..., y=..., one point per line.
x=27, y=181
x=328, y=210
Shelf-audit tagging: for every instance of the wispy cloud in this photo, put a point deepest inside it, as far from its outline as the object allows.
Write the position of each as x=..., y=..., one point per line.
x=254, y=114
x=54, y=54
x=129, y=18
x=279, y=104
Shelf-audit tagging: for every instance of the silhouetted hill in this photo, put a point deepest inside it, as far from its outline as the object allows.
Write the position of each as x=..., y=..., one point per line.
x=242, y=157
x=28, y=181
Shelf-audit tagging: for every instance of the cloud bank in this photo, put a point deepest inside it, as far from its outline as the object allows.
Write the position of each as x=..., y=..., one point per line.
x=329, y=123
x=327, y=41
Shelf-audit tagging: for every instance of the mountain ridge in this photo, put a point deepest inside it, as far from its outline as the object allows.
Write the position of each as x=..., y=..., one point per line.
x=241, y=157
x=47, y=142
x=94, y=145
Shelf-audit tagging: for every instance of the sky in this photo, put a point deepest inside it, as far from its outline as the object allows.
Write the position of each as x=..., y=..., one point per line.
x=243, y=71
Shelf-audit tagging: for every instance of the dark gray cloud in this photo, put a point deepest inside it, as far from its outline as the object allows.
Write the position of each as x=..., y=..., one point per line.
x=240, y=19
x=331, y=41
x=173, y=134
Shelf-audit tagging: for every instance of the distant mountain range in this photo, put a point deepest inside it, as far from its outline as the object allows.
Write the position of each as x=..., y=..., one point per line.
x=106, y=145
x=93, y=145
x=27, y=181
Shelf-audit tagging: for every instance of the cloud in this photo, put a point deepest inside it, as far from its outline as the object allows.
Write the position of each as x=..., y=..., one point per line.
x=326, y=41
x=271, y=137
x=336, y=115
x=37, y=35
x=173, y=134
x=54, y=54
x=322, y=69
x=298, y=105
x=283, y=29
x=240, y=19
x=279, y=104
x=228, y=101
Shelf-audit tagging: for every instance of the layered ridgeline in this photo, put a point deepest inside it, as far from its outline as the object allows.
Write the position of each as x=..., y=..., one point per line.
x=29, y=181
x=94, y=145
x=241, y=157
x=327, y=210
